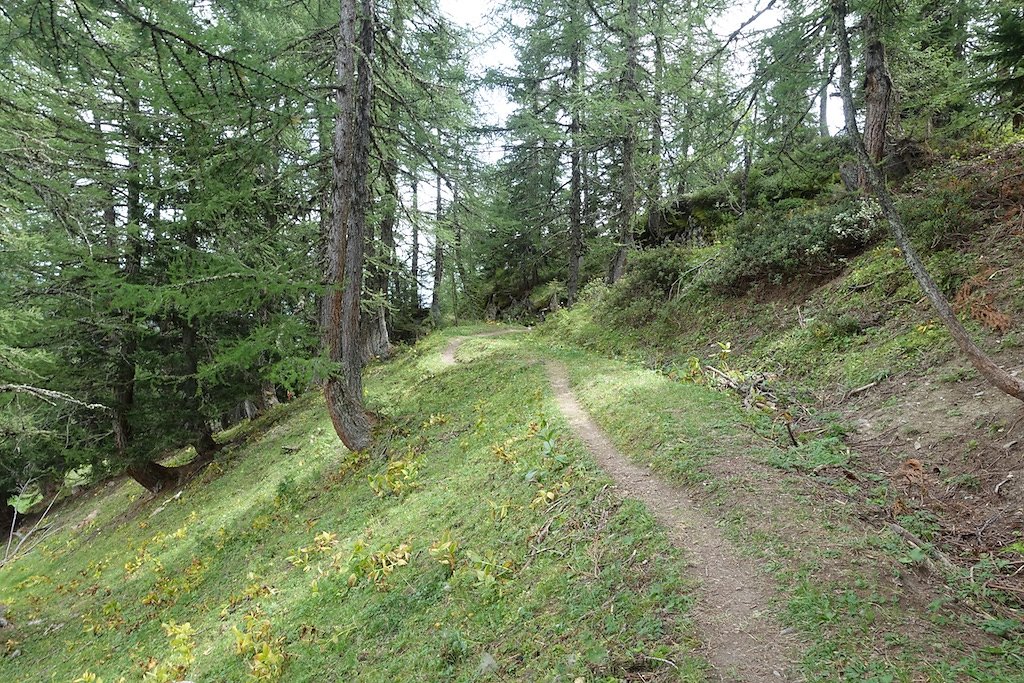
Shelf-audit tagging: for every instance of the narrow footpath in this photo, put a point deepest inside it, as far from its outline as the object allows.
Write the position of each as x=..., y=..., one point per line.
x=740, y=636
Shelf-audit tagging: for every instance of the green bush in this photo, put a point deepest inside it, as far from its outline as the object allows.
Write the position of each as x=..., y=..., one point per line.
x=651, y=277
x=777, y=246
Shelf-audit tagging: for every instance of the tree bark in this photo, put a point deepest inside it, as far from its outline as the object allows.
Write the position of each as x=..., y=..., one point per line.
x=826, y=81
x=350, y=197
x=459, y=266
x=877, y=94
x=126, y=342
x=576, y=76
x=415, y=266
x=995, y=375
x=627, y=99
x=654, y=223
x=435, y=296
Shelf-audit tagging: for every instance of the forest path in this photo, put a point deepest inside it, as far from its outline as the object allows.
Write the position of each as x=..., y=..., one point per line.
x=741, y=638
x=448, y=353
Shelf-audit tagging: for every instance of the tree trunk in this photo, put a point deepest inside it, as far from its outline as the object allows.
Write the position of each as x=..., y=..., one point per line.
x=350, y=197
x=459, y=266
x=123, y=389
x=826, y=81
x=153, y=476
x=435, y=296
x=628, y=102
x=995, y=375
x=415, y=267
x=877, y=94
x=654, y=223
x=576, y=77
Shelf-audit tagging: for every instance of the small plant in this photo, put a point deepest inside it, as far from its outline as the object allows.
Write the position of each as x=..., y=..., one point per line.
x=287, y=494
x=548, y=436
x=141, y=557
x=545, y=497
x=109, y=619
x=487, y=572
x=89, y=677
x=323, y=544
x=376, y=567
x=499, y=511
x=435, y=420
x=183, y=644
x=398, y=479
x=256, y=641
x=503, y=452
x=694, y=370
x=445, y=550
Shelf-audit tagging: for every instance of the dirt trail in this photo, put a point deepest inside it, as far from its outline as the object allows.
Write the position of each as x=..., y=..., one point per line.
x=741, y=638
x=448, y=354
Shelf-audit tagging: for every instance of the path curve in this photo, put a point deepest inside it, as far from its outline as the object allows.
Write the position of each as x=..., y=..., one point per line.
x=448, y=354
x=741, y=638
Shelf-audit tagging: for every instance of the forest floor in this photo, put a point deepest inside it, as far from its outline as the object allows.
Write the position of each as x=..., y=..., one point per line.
x=531, y=513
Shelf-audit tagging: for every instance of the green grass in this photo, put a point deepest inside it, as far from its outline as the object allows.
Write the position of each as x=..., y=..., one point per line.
x=838, y=577
x=584, y=587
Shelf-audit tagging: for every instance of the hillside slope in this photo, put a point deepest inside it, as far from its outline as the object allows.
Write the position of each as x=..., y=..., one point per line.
x=285, y=549
x=267, y=539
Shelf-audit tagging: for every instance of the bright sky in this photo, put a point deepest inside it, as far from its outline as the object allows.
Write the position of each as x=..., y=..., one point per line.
x=492, y=52
x=495, y=52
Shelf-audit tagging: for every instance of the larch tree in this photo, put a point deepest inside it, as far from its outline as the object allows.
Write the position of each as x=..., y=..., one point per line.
x=340, y=321
x=982, y=362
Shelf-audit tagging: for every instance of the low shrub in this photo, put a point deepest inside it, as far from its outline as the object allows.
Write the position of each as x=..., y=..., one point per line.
x=778, y=245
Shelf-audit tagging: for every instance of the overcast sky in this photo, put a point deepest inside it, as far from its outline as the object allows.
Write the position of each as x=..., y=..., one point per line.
x=494, y=52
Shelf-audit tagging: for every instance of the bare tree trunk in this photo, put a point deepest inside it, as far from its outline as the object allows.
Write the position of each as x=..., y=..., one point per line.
x=345, y=256
x=749, y=138
x=415, y=267
x=576, y=77
x=153, y=476
x=654, y=215
x=627, y=97
x=996, y=375
x=374, y=329
x=877, y=94
x=435, y=295
x=123, y=389
x=826, y=81
x=459, y=268
x=198, y=425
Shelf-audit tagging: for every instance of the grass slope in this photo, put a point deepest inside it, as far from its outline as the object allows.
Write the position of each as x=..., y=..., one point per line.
x=868, y=608
x=258, y=555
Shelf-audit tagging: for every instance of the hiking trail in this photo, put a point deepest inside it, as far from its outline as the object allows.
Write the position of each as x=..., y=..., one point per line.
x=741, y=638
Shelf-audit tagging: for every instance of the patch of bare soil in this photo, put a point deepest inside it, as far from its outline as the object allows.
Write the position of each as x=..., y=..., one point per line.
x=742, y=639
x=952, y=454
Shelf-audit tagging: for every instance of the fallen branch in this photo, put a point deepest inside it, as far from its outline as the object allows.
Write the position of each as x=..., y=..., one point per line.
x=1009, y=478
x=923, y=546
x=861, y=390
x=9, y=555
